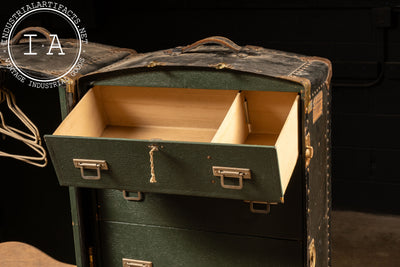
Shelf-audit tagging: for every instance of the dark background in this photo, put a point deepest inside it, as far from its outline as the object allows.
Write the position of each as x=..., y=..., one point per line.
x=362, y=39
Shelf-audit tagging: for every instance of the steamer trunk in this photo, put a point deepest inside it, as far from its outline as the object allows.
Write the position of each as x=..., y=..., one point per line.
x=237, y=139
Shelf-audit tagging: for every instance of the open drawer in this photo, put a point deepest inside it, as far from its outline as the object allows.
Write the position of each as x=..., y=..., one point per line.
x=199, y=142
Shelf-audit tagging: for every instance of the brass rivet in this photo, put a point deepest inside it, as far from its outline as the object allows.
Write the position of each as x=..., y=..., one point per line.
x=213, y=181
x=208, y=157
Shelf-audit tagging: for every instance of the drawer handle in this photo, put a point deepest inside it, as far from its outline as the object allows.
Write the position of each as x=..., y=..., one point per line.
x=230, y=172
x=261, y=207
x=265, y=210
x=139, y=196
x=90, y=164
x=136, y=263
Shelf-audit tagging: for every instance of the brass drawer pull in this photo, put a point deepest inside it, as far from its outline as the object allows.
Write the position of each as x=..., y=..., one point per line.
x=266, y=210
x=230, y=172
x=139, y=196
x=136, y=263
x=90, y=164
x=261, y=207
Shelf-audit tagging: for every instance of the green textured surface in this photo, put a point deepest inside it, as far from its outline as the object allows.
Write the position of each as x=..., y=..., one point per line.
x=180, y=168
x=180, y=247
x=63, y=102
x=208, y=214
x=76, y=226
x=201, y=78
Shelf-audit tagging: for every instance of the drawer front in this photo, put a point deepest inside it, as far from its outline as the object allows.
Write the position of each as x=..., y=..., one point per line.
x=178, y=247
x=207, y=214
x=180, y=168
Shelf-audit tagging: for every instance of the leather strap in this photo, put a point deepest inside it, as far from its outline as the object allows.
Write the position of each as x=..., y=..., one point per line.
x=225, y=42
x=20, y=34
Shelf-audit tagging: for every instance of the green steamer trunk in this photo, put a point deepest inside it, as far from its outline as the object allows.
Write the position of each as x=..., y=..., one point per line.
x=203, y=155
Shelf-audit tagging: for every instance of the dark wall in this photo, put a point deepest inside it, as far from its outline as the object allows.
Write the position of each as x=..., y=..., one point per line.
x=362, y=39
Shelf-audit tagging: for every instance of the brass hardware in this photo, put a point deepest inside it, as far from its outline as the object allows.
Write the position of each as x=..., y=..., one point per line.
x=91, y=257
x=69, y=90
x=230, y=172
x=90, y=164
x=139, y=196
x=246, y=110
x=312, y=254
x=261, y=211
x=309, y=151
x=136, y=263
x=221, y=66
x=153, y=64
x=309, y=107
x=69, y=84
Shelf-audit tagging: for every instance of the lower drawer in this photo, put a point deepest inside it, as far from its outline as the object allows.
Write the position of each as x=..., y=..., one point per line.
x=164, y=246
x=208, y=214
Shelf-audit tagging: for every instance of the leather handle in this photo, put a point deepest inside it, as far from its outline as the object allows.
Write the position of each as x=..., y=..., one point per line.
x=20, y=34
x=223, y=41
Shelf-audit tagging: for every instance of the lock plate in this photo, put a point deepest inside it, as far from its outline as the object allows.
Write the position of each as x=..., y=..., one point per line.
x=136, y=263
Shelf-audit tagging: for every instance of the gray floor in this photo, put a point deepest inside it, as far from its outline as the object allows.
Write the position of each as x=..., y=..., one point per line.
x=362, y=239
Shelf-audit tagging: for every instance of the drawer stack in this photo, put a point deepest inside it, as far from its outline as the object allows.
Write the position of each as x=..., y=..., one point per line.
x=200, y=156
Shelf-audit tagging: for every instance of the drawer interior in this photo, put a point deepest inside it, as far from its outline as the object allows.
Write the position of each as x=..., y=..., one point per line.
x=260, y=118
x=179, y=114
x=149, y=113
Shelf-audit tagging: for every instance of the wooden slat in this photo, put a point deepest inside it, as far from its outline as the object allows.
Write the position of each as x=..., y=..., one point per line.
x=160, y=133
x=287, y=145
x=86, y=119
x=268, y=110
x=165, y=107
x=233, y=129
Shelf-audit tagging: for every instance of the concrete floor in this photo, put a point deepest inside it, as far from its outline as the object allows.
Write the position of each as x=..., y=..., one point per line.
x=358, y=240
x=365, y=240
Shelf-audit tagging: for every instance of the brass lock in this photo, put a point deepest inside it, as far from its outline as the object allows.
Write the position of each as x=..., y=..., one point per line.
x=309, y=151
